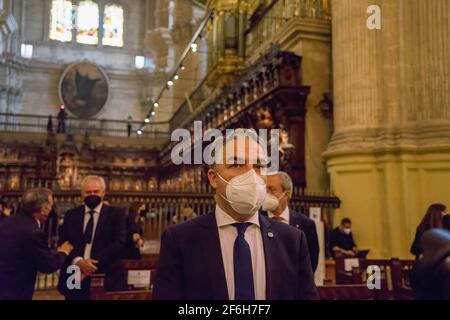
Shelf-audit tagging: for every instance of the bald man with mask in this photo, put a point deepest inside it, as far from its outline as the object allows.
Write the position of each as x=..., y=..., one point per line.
x=234, y=252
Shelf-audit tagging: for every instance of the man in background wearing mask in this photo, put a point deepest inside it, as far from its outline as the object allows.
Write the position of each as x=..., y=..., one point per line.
x=234, y=252
x=341, y=240
x=97, y=232
x=279, y=192
x=24, y=247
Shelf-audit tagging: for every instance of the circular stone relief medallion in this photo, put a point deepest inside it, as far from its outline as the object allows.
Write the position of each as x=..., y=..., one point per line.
x=84, y=89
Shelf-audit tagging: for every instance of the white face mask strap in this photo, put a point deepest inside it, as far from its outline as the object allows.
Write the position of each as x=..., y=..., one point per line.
x=241, y=184
x=218, y=174
x=223, y=197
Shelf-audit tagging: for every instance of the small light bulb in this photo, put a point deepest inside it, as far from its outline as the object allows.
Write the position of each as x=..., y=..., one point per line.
x=156, y=104
x=147, y=120
x=170, y=83
x=153, y=113
x=176, y=77
x=139, y=132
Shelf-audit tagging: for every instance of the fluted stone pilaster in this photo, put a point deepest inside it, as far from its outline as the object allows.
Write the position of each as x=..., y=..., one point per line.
x=390, y=79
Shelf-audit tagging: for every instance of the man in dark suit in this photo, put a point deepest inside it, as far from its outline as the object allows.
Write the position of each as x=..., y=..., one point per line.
x=234, y=252
x=98, y=233
x=279, y=193
x=24, y=249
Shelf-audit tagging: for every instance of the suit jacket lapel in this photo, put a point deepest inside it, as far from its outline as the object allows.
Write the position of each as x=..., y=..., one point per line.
x=271, y=254
x=213, y=257
x=78, y=230
x=294, y=218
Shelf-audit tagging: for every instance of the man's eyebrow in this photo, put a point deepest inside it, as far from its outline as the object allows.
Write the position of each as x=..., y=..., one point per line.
x=259, y=161
x=233, y=160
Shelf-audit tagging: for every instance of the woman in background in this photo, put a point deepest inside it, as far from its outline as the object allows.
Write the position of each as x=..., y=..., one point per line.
x=134, y=232
x=435, y=217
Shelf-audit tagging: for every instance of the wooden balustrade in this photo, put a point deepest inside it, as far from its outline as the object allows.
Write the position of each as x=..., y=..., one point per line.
x=10, y=122
x=400, y=270
x=267, y=22
x=394, y=277
x=346, y=292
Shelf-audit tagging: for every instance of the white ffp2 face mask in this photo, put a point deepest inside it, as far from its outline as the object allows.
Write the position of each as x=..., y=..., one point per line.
x=270, y=203
x=245, y=192
x=347, y=230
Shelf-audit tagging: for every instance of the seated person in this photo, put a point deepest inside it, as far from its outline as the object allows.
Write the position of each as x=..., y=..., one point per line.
x=341, y=240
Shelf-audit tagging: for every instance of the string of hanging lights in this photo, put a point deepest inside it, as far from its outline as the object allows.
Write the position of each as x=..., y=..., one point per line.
x=175, y=75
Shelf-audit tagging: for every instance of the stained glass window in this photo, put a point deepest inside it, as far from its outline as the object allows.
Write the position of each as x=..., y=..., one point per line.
x=113, y=25
x=61, y=21
x=87, y=22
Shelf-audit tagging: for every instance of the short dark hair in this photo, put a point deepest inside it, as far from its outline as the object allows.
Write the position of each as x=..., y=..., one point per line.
x=34, y=199
x=346, y=220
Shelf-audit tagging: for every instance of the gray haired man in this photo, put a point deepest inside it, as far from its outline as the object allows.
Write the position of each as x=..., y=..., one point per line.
x=24, y=248
x=279, y=193
x=98, y=233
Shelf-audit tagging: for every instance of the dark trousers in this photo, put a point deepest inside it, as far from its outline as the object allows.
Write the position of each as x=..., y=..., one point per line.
x=61, y=127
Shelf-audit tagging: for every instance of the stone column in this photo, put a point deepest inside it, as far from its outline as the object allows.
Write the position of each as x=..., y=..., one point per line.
x=388, y=158
x=355, y=96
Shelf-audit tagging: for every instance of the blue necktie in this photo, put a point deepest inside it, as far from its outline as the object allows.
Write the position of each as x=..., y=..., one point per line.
x=242, y=259
x=89, y=228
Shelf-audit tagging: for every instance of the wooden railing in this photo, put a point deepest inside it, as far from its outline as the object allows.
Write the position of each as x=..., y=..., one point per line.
x=394, y=277
x=28, y=123
x=268, y=22
x=166, y=208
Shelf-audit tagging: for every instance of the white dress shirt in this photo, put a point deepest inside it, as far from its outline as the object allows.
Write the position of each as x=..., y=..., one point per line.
x=88, y=247
x=228, y=234
x=284, y=215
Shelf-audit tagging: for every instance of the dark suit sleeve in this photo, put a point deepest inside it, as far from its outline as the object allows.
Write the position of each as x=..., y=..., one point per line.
x=332, y=241
x=45, y=260
x=353, y=241
x=115, y=248
x=307, y=287
x=64, y=236
x=313, y=244
x=168, y=281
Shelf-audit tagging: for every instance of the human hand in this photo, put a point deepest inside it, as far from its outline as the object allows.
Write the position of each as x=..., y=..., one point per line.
x=66, y=247
x=87, y=266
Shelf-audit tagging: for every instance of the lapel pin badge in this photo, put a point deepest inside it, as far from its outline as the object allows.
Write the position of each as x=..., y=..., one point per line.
x=297, y=226
x=270, y=234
